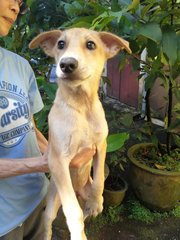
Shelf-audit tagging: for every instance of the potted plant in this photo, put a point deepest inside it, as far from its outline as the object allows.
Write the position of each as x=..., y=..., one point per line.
x=115, y=185
x=155, y=167
x=115, y=190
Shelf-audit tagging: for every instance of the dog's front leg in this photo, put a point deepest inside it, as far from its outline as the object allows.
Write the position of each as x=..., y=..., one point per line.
x=94, y=204
x=59, y=168
x=53, y=204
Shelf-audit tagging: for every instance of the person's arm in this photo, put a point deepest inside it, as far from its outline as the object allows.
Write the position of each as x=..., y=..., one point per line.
x=42, y=141
x=14, y=167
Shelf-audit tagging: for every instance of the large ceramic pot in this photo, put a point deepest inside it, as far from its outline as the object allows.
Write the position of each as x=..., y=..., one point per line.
x=113, y=197
x=157, y=189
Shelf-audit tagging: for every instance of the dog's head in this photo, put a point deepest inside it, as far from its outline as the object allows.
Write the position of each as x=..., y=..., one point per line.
x=80, y=53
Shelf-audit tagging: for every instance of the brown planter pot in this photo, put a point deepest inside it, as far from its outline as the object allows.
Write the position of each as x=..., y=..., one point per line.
x=115, y=197
x=157, y=189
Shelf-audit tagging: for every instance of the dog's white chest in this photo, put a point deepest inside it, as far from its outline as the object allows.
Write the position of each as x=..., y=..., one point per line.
x=75, y=130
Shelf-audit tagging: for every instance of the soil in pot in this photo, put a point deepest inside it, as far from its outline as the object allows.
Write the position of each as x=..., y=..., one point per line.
x=114, y=191
x=115, y=183
x=151, y=157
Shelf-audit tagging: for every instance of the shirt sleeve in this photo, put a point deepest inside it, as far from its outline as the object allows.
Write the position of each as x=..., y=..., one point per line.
x=35, y=99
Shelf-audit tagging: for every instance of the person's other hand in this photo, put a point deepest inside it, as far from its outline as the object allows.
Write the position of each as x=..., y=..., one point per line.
x=83, y=157
x=44, y=162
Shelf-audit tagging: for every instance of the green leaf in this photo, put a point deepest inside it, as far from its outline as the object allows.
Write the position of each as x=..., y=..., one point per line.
x=177, y=94
x=116, y=141
x=106, y=80
x=80, y=24
x=117, y=15
x=164, y=59
x=50, y=90
x=175, y=125
x=29, y=2
x=135, y=64
x=100, y=18
x=123, y=60
x=152, y=49
x=134, y=4
x=176, y=140
x=177, y=105
x=150, y=80
x=114, y=5
x=178, y=50
x=104, y=23
x=145, y=9
x=73, y=9
x=170, y=44
x=127, y=119
x=151, y=31
x=125, y=3
x=154, y=140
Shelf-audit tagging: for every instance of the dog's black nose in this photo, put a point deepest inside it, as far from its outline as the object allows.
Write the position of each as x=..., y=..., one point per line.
x=68, y=65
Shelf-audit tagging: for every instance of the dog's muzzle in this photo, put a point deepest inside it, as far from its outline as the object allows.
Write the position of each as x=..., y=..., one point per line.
x=68, y=65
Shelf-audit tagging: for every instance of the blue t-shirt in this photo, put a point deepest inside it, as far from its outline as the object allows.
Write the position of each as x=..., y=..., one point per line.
x=19, y=100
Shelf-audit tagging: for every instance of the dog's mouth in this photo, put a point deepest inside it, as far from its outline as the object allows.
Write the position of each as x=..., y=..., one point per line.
x=73, y=77
x=67, y=77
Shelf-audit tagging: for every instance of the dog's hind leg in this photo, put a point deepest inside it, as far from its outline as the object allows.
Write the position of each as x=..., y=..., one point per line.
x=53, y=204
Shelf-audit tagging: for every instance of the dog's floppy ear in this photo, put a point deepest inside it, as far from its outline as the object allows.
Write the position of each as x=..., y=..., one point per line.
x=113, y=44
x=46, y=41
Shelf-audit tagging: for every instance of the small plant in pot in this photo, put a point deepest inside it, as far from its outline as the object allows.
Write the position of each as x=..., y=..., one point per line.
x=115, y=185
x=155, y=168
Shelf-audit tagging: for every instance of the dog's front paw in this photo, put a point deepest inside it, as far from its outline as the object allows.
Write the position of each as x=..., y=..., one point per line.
x=77, y=236
x=93, y=207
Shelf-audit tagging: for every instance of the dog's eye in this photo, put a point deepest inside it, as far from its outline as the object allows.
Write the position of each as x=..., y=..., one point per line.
x=90, y=45
x=61, y=44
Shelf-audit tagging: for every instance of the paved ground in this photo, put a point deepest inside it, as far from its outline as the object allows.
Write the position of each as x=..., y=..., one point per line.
x=127, y=229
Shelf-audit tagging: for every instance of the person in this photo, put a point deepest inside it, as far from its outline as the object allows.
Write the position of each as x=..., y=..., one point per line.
x=23, y=148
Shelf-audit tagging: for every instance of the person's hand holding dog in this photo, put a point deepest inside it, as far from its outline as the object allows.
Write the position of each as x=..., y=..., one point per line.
x=78, y=161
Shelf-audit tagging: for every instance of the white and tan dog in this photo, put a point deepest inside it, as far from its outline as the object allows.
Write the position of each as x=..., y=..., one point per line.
x=77, y=121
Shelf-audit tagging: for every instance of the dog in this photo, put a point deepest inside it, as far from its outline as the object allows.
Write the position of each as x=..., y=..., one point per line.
x=77, y=121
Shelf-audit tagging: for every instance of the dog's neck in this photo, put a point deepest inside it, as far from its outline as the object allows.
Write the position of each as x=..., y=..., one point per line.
x=78, y=96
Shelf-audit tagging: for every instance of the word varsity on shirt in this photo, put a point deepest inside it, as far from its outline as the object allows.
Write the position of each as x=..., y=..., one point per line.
x=14, y=114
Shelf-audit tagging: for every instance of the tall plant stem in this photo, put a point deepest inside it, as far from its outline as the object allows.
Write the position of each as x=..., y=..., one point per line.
x=170, y=97
x=149, y=120
x=172, y=8
x=148, y=109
